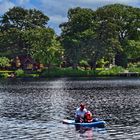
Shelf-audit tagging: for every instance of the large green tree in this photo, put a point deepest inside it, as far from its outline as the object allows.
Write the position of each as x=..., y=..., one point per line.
x=133, y=50
x=22, y=19
x=109, y=32
x=45, y=47
x=76, y=32
x=13, y=24
x=11, y=43
x=124, y=24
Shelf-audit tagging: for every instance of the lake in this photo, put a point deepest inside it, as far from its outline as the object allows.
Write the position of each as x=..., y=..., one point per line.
x=34, y=109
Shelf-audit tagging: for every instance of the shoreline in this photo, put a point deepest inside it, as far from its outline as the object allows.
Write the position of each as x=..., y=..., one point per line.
x=74, y=78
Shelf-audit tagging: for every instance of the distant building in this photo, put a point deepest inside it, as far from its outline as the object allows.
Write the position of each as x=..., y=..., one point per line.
x=25, y=62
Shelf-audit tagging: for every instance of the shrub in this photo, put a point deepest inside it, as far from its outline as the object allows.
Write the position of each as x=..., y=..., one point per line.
x=134, y=69
x=84, y=64
x=61, y=72
x=19, y=73
x=4, y=62
x=4, y=75
x=113, y=71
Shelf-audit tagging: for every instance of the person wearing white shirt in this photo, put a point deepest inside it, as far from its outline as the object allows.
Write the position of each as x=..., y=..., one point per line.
x=80, y=113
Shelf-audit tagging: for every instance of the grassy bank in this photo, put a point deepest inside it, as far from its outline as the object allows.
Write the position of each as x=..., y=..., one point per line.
x=69, y=72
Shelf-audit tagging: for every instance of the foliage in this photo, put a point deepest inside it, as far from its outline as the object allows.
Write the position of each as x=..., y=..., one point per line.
x=133, y=50
x=110, y=72
x=11, y=43
x=69, y=72
x=4, y=75
x=13, y=24
x=84, y=63
x=4, y=62
x=63, y=72
x=104, y=33
x=22, y=19
x=76, y=32
x=112, y=32
x=19, y=73
x=44, y=46
x=134, y=69
x=101, y=63
x=121, y=24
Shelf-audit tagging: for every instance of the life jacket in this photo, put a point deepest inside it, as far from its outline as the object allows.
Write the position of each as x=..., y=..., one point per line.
x=88, y=117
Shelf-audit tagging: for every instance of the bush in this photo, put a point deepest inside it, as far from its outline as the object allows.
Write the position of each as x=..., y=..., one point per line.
x=134, y=69
x=113, y=71
x=4, y=62
x=62, y=72
x=20, y=73
x=84, y=64
x=101, y=63
x=4, y=75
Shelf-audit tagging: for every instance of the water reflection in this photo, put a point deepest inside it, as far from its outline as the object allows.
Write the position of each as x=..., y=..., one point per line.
x=34, y=109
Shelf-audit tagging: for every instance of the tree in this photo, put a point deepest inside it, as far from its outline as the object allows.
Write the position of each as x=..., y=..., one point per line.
x=125, y=22
x=133, y=50
x=104, y=33
x=13, y=24
x=22, y=19
x=44, y=46
x=4, y=62
x=75, y=33
x=11, y=43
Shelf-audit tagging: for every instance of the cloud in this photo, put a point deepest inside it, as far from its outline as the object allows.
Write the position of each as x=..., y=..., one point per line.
x=66, y=4
x=61, y=7
x=27, y=4
x=57, y=18
x=22, y=2
x=55, y=21
x=57, y=10
x=5, y=5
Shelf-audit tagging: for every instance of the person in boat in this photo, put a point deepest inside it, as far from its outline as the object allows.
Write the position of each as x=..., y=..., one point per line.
x=88, y=117
x=80, y=113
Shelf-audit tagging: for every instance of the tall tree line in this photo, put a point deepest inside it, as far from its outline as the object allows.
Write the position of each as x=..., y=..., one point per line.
x=25, y=32
x=111, y=33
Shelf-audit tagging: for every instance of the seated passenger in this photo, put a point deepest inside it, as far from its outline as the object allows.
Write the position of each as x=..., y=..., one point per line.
x=88, y=117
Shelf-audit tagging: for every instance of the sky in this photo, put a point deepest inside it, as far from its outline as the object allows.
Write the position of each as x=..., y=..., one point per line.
x=57, y=10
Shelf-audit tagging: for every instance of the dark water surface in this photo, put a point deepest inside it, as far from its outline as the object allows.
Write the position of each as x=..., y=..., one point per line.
x=34, y=109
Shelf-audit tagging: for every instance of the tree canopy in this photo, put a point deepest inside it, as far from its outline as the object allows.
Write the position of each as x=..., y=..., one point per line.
x=111, y=32
x=44, y=46
x=22, y=19
x=104, y=33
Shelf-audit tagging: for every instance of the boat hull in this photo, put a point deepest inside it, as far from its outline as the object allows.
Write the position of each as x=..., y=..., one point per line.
x=99, y=123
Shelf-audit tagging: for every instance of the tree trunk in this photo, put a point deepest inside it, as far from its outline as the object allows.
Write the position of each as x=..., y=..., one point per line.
x=94, y=62
x=49, y=67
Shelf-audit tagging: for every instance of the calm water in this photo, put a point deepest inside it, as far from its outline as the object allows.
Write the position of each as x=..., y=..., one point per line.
x=33, y=109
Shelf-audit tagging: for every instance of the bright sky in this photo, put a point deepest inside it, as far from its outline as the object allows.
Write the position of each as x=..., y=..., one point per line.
x=57, y=10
